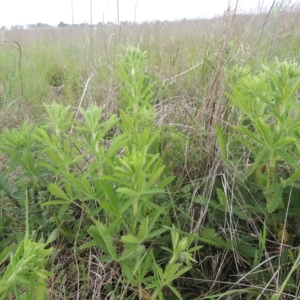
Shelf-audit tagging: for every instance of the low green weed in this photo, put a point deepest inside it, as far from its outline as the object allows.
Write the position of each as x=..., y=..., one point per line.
x=108, y=170
x=26, y=267
x=264, y=149
x=268, y=117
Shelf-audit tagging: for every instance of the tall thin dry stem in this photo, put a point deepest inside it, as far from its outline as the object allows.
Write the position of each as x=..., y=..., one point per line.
x=213, y=107
x=91, y=37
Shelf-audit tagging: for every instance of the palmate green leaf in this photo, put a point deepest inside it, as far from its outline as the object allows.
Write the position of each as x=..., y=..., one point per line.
x=127, y=270
x=259, y=159
x=275, y=200
x=122, y=173
x=127, y=203
x=59, y=160
x=293, y=89
x=4, y=255
x=174, y=271
x=52, y=237
x=265, y=132
x=43, y=137
x=153, y=192
x=143, y=229
x=55, y=190
x=111, y=197
x=97, y=239
x=238, y=99
x=211, y=237
x=106, y=206
x=154, y=135
x=164, y=182
x=117, y=144
x=151, y=161
x=155, y=234
x=283, y=142
x=246, y=249
x=67, y=232
x=140, y=180
x=81, y=184
x=292, y=178
x=175, y=236
x=239, y=213
x=175, y=291
x=251, y=135
x=127, y=191
x=115, y=180
x=4, y=185
x=273, y=188
x=133, y=252
x=127, y=123
x=154, y=215
x=295, y=124
x=131, y=239
x=153, y=177
x=26, y=161
x=145, y=263
x=106, y=238
x=88, y=244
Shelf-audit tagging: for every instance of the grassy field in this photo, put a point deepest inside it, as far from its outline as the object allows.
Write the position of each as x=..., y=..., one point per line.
x=152, y=161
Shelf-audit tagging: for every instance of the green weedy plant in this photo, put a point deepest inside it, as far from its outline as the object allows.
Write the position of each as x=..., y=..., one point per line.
x=268, y=117
x=264, y=147
x=26, y=268
x=110, y=171
x=136, y=175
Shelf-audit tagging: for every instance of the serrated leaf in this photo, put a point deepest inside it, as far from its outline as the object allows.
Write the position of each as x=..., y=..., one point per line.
x=153, y=178
x=155, y=233
x=106, y=238
x=293, y=177
x=145, y=264
x=88, y=244
x=130, y=239
x=133, y=252
x=251, y=135
x=116, y=145
x=52, y=237
x=58, y=192
x=259, y=159
x=282, y=142
x=210, y=237
x=201, y=200
x=273, y=188
x=175, y=291
x=289, y=159
x=143, y=229
x=127, y=270
x=265, y=132
x=6, y=253
x=82, y=185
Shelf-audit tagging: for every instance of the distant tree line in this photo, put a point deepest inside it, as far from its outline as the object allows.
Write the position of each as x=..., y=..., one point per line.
x=65, y=25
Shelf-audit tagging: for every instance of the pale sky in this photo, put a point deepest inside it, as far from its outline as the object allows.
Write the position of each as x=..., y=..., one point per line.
x=22, y=12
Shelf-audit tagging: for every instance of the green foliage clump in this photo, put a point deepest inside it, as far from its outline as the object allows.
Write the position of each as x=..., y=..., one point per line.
x=110, y=172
